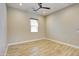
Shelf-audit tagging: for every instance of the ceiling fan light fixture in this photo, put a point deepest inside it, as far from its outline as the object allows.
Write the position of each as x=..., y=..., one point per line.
x=20, y=4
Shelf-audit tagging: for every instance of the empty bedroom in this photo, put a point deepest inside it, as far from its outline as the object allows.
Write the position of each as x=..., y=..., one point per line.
x=39, y=29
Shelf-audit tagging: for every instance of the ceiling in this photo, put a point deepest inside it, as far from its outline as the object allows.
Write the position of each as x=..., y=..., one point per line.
x=30, y=6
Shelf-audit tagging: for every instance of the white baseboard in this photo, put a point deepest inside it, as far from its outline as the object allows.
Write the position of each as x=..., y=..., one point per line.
x=60, y=42
x=6, y=51
x=71, y=45
x=24, y=41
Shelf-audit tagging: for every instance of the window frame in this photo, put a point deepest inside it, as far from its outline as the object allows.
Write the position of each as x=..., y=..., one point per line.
x=37, y=30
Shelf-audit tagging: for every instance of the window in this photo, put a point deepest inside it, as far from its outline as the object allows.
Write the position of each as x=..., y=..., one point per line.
x=34, y=25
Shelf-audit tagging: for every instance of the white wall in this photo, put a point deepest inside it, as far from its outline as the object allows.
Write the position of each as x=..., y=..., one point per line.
x=3, y=29
x=62, y=25
x=19, y=26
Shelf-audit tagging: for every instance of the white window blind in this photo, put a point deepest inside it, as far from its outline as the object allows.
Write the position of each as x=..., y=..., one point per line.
x=34, y=25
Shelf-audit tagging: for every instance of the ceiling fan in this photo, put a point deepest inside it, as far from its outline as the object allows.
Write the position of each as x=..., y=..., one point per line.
x=40, y=6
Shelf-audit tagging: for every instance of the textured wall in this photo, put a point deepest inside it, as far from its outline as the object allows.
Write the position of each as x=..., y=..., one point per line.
x=3, y=29
x=19, y=26
x=63, y=25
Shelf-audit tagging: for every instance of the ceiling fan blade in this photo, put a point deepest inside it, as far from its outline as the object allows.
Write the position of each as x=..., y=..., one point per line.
x=46, y=7
x=40, y=6
x=37, y=9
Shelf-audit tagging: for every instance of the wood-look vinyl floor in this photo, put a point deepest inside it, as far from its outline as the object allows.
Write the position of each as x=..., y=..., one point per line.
x=42, y=48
